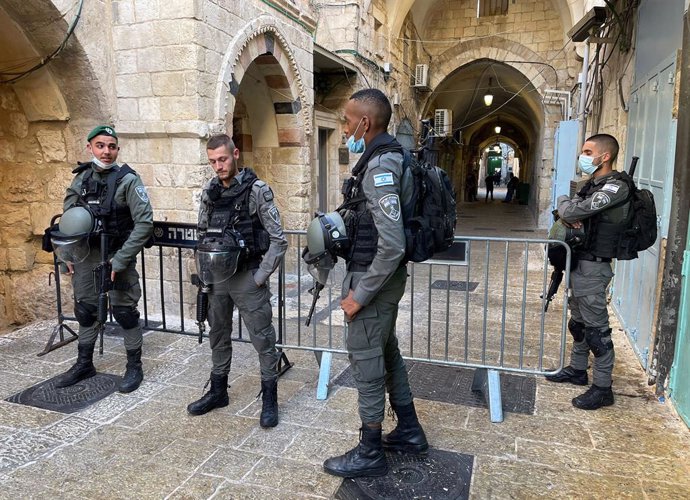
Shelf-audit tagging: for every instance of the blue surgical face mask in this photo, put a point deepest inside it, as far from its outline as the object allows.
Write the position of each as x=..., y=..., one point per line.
x=356, y=146
x=586, y=164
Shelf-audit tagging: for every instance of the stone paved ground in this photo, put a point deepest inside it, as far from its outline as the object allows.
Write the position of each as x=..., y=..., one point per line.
x=144, y=445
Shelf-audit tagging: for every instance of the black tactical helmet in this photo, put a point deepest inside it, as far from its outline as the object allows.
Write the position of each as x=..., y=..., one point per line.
x=217, y=258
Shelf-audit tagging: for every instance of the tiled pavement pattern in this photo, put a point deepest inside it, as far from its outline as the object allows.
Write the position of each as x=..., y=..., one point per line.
x=144, y=445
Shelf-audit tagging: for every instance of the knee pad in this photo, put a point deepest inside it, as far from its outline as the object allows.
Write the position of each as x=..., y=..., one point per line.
x=577, y=330
x=85, y=313
x=599, y=341
x=126, y=316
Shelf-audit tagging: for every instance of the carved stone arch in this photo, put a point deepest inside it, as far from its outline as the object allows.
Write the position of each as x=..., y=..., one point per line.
x=498, y=49
x=263, y=35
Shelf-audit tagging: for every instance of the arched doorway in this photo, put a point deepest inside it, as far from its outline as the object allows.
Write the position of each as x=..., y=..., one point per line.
x=265, y=108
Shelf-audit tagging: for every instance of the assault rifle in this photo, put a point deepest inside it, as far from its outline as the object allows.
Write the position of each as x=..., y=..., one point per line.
x=102, y=284
x=201, y=304
x=315, y=291
x=556, y=279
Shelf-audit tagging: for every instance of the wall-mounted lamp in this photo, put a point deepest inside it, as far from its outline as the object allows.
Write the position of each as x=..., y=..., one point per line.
x=488, y=97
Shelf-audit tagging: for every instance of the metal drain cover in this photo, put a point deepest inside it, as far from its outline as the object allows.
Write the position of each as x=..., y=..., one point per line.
x=450, y=384
x=440, y=474
x=68, y=399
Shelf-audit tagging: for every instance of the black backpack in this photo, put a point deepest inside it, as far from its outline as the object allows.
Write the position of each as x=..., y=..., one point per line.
x=641, y=233
x=430, y=214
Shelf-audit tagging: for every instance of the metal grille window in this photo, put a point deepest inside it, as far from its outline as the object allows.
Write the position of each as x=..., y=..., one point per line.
x=492, y=8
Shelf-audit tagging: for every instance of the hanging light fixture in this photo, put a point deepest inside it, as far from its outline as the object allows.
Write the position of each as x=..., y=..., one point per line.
x=497, y=128
x=488, y=97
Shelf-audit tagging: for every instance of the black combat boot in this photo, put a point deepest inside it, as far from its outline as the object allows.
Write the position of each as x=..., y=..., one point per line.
x=594, y=398
x=134, y=374
x=269, y=408
x=81, y=370
x=217, y=397
x=570, y=375
x=408, y=436
x=365, y=459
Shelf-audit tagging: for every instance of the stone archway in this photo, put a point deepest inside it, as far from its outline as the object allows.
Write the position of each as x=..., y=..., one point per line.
x=43, y=121
x=518, y=107
x=263, y=100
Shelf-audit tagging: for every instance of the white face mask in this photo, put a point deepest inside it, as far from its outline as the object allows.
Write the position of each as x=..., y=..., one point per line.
x=101, y=165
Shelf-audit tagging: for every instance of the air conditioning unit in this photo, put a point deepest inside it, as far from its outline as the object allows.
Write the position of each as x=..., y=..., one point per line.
x=421, y=76
x=443, y=122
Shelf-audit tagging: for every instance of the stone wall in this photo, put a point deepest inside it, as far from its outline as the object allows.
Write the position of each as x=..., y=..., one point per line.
x=33, y=175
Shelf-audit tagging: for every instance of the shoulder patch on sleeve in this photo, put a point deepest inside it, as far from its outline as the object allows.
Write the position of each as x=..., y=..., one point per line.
x=268, y=194
x=613, y=188
x=142, y=194
x=274, y=214
x=390, y=204
x=385, y=179
x=600, y=199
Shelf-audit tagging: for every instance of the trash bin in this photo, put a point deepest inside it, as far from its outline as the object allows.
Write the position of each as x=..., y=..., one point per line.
x=523, y=193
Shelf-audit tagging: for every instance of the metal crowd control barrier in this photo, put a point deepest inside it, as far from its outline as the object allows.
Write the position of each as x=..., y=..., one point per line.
x=479, y=305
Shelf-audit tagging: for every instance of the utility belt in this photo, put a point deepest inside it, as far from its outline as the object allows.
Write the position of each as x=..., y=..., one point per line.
x=592, y=258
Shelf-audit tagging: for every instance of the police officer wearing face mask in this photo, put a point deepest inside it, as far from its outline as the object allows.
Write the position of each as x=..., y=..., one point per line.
x=127, y=217
x=373, y=287
x=602, y=208
x=238, y=210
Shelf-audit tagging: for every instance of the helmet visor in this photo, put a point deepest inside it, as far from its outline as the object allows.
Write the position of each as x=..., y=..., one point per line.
x=216, y=267
x=326, y=270
x=71, y=249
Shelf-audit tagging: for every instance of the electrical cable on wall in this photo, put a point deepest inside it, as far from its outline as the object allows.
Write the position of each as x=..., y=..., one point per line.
x=11, y=77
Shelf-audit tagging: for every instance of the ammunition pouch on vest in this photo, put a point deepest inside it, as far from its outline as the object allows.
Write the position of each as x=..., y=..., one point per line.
x=99, y=197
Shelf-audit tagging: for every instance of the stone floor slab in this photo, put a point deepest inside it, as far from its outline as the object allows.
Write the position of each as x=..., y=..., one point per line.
x=293, y=477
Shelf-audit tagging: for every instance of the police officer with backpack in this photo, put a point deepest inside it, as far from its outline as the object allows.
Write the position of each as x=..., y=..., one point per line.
x=105, y=196
x=603, y=209
x=373, y=287
x=241, y=243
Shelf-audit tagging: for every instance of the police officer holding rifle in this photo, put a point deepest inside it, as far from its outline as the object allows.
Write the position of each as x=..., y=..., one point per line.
x=107, y=220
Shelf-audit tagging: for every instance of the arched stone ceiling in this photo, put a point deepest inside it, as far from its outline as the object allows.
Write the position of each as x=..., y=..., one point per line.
x=398, y=10
x=463, y=92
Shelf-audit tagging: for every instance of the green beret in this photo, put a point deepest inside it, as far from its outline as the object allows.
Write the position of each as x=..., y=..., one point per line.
x=102, y=130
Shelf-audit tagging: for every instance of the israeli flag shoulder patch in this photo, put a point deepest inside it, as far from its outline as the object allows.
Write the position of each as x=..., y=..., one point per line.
x=385, y=179
x=613, y=188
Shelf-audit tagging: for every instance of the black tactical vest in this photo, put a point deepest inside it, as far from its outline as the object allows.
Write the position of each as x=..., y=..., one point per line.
x=359, y=224
x=230, y=209
x=603, y=231
x=99, y=196
x=358, y=220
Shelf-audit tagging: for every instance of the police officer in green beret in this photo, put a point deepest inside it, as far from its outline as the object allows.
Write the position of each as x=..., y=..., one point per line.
x=238, y=211
x=116, y=200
